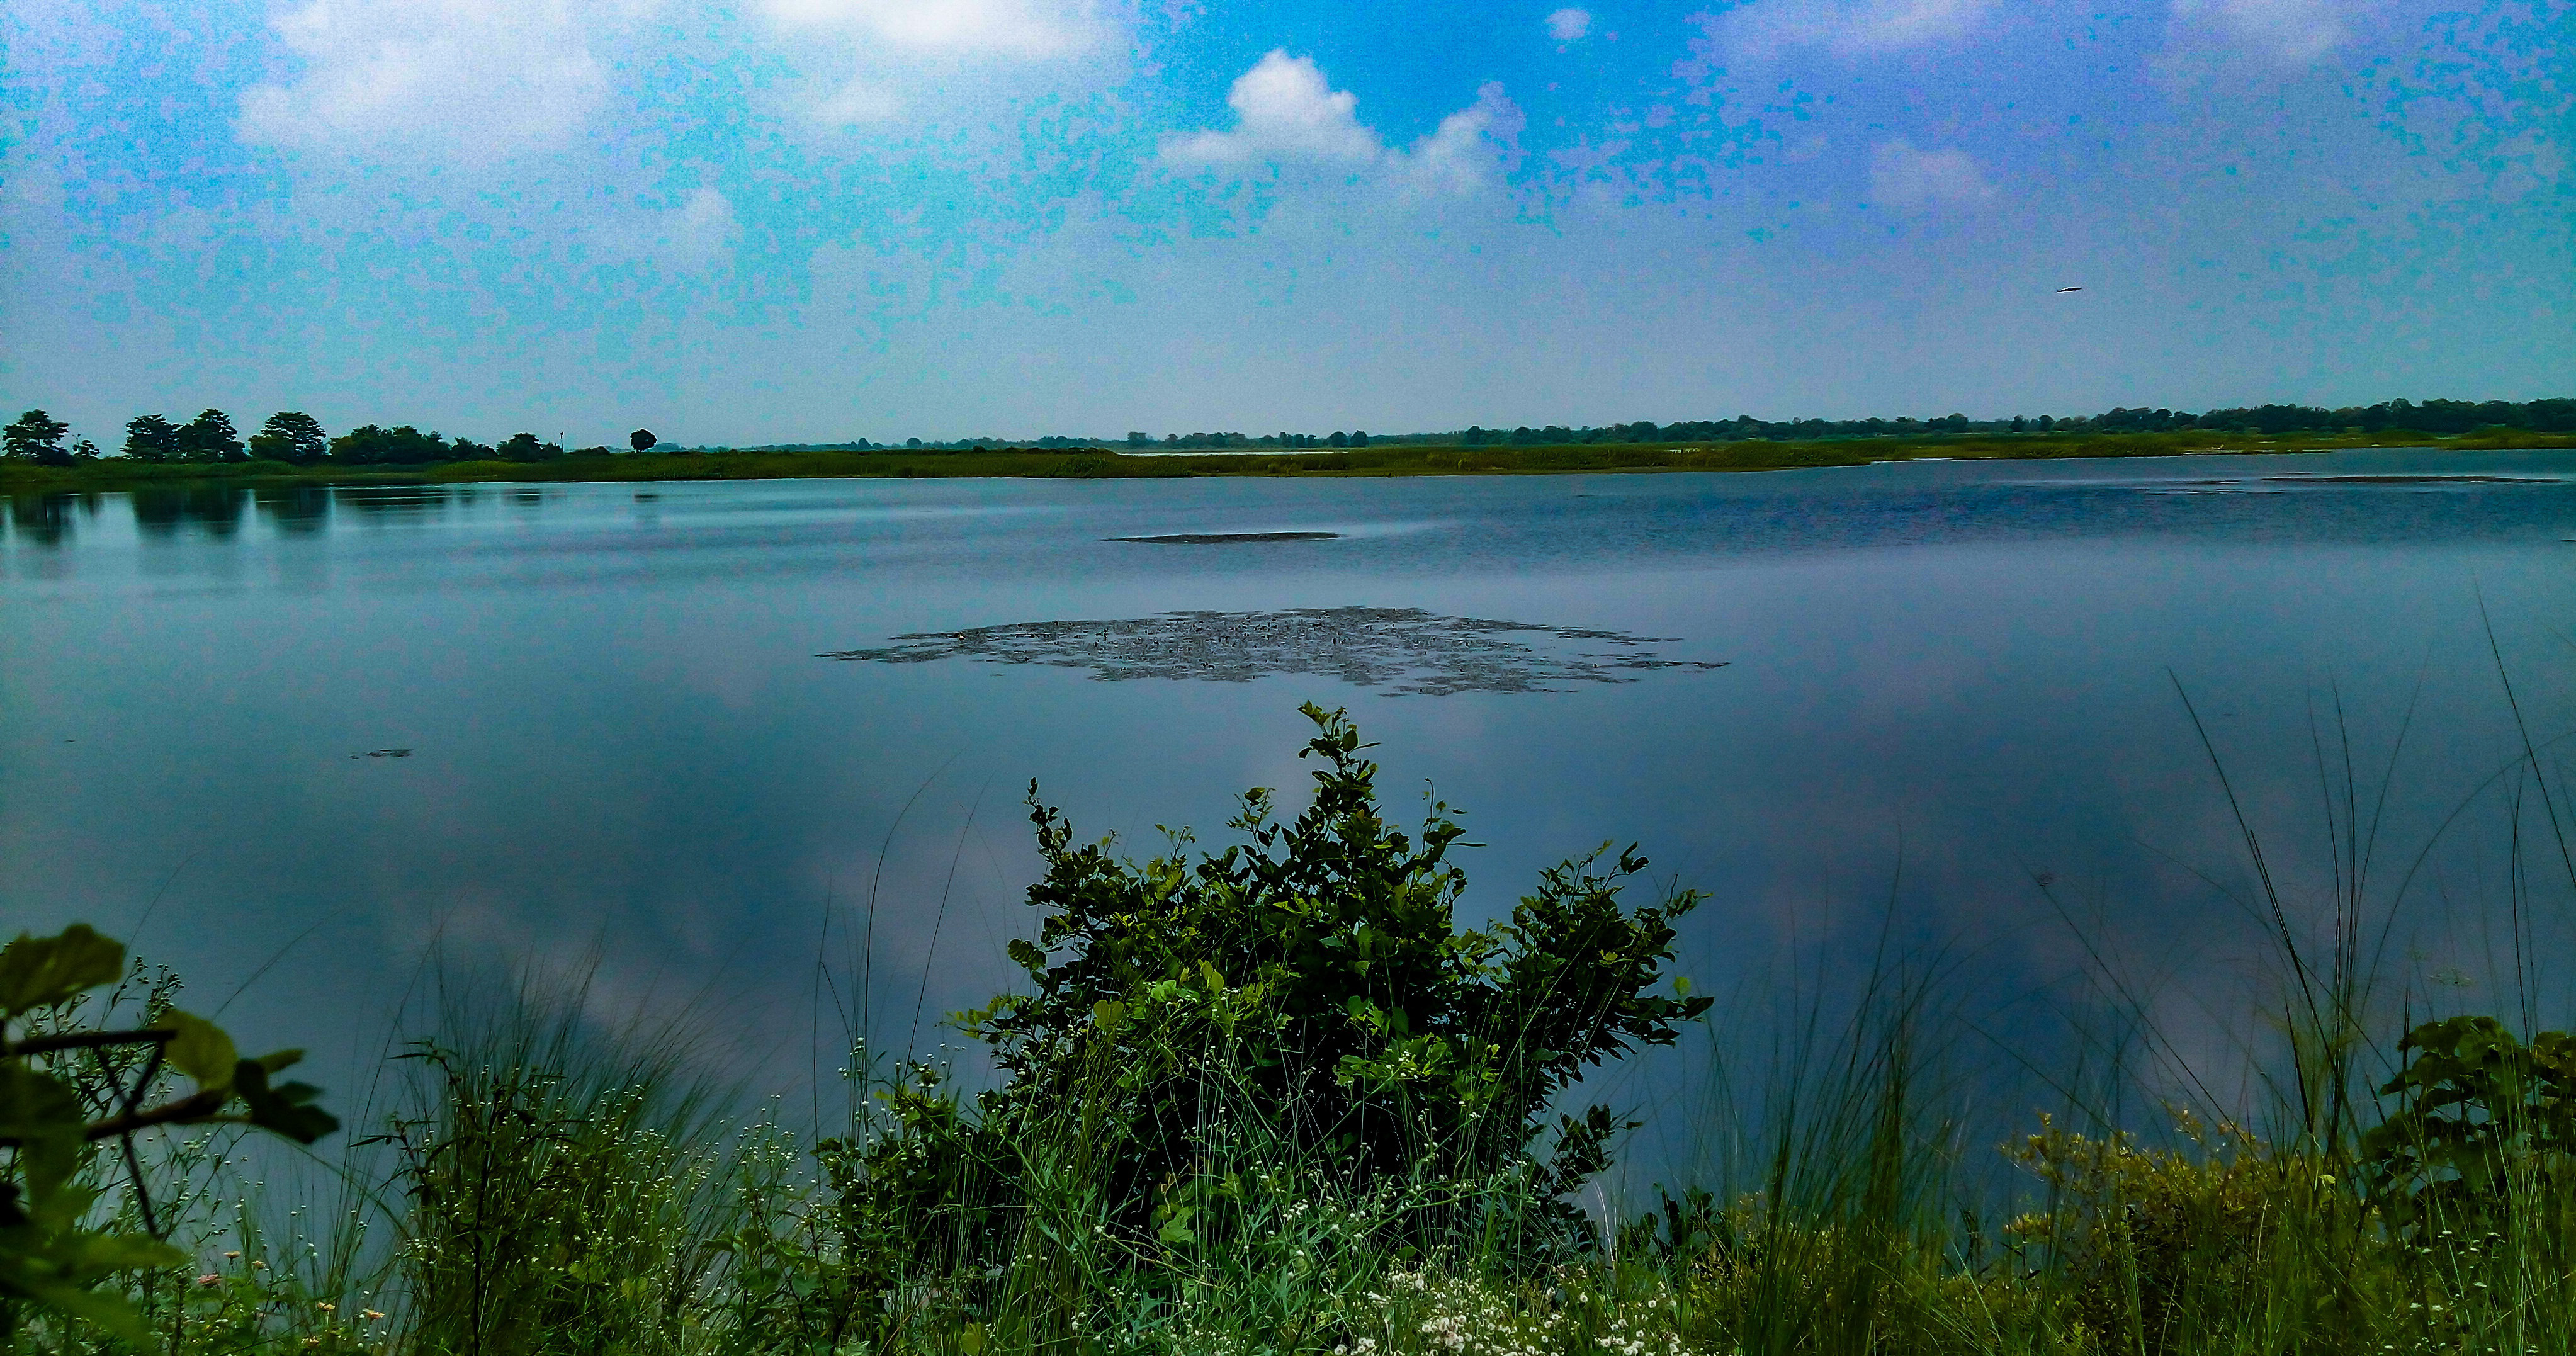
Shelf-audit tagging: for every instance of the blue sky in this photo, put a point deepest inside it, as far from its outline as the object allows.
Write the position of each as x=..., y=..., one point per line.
x=822, y=219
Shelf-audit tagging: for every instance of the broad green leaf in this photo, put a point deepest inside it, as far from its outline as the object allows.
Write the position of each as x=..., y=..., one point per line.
x=79, y=1301
x=200, y=1049
x=38, y=972
x=94, y=1254
x=44, y=1115
x=286, y=1108
x=1108, y=1013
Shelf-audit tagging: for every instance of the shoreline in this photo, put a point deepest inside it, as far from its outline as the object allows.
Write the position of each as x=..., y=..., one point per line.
x=113, y=474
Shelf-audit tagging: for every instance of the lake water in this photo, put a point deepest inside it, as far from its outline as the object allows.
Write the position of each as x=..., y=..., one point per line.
x=1935, y=705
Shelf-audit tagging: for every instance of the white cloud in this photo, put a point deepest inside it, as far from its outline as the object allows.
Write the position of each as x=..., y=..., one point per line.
x=2292, y=30
x=1288, y=113
x=1848, y=28
x=696, y=234
x=1471, y=148
x=1902, y=176
x=1569, y=25
x=1024, y=29
x=859, y=101
x=1284, y=111
x=478, y=77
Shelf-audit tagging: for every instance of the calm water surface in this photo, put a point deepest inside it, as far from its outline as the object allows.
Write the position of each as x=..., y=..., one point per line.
x=1943, y=684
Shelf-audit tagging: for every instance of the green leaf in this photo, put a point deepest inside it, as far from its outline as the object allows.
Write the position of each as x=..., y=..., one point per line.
x=43, y=1114
x=107, y=1311
x=1026, y=956
x=1108, y=1013
x=285, y=1108
x=38, y=972
x=91, y=1254
x=200, y=1049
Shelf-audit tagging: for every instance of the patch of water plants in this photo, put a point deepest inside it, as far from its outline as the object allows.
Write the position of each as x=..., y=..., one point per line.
x=1271, y=1098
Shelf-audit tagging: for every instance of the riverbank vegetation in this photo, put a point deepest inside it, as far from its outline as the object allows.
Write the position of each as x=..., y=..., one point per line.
x=292, y=447
x=1274, y=1099
x=1386, y=459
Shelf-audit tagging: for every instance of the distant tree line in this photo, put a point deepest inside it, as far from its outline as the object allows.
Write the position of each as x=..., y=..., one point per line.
x=289, y=436
x=298, y=439
x=2431, y=416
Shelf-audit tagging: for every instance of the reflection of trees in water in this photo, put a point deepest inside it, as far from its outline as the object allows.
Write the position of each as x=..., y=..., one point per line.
x=1404, y=650
x=299, y=508
x=46, y=519
x=161, y=511
x=396, y=501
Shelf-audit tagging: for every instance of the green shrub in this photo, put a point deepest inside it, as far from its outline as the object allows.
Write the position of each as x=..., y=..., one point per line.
x=68, y=1089
x=1213, y=1037
x=2479, y=1114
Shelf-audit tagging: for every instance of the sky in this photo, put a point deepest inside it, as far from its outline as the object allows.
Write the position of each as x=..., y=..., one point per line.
x=815, y=220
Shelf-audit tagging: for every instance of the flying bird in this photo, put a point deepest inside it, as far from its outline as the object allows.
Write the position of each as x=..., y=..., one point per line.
x=2070, y=289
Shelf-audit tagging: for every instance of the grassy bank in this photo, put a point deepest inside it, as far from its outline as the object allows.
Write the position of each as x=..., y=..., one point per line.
x=1273, y=1099
x=1104, y=464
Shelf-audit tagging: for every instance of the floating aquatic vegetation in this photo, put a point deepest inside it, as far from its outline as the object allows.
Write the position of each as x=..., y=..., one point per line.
x=2275, y=484
x=1227, y=538
x=1400, y=649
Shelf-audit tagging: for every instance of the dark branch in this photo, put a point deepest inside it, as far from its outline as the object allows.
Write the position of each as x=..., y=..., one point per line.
x=85, y=1040
x=199, y=1106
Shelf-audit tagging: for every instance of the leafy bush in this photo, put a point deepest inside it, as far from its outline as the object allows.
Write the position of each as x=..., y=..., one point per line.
x=1212, y=1036
x=53, y=1256
x=2479, y=1115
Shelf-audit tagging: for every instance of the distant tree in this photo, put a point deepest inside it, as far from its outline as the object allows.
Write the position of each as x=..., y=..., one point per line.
x=369, y=445
x=149, y=437
x=528, y=447
x=38, y=437
x=466, y=449
x=291, y=437
x=2019, y=423
x=641, y=440
x=2047, y=422
x=1339, y=439
x=1359, y=438
x=84, y=450
x=211, y=437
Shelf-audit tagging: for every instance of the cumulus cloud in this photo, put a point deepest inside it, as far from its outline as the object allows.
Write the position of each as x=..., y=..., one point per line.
x=1472, y=147
x=1285, y=110
x=1288, y=113
x=1569, y=25
x=1901, y=175
x=1025, y=29
x=1844, y=27
x=2292, y=30
x=474, y=76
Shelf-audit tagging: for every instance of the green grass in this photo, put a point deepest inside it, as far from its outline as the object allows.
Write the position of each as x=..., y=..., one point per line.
x=1392, y=460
